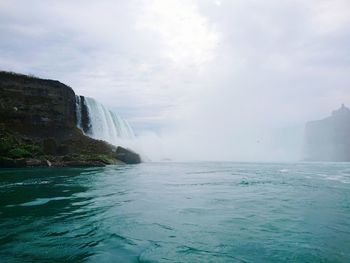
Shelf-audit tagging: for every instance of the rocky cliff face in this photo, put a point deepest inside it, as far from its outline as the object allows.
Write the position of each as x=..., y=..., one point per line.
x=38, y=126
x=36, y=106
x=329, y=139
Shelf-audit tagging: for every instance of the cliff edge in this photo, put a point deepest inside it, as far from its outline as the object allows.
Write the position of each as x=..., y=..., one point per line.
x=38, y=127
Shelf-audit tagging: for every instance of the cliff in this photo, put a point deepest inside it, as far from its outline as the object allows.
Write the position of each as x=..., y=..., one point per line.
x=329, y=139
x=38, y=127
x=35, y=106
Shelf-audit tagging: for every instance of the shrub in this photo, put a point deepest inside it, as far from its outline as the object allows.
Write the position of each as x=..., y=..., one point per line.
x=33, y=149
x=19, y=153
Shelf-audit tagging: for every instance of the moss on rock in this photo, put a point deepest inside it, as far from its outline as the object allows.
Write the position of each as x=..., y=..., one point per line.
x=19, y=153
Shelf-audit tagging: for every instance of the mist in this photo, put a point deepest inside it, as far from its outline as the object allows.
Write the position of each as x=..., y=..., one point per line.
x=197, y=80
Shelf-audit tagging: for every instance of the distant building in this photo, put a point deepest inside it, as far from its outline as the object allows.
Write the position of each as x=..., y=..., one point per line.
x=329, y=139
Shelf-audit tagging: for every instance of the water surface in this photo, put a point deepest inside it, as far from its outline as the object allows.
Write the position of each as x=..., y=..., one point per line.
x=177, y=212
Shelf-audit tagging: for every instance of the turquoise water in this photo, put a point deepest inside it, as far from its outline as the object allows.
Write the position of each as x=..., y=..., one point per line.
x=177, y=212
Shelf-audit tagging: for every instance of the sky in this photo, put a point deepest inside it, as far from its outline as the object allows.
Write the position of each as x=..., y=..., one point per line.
x=196, y=79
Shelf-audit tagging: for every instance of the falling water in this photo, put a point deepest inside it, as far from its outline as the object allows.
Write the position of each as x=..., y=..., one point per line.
x=78, y=110
x=104, y=124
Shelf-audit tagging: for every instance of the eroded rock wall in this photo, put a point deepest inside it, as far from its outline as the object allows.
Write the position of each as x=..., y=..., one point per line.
x=36, y=106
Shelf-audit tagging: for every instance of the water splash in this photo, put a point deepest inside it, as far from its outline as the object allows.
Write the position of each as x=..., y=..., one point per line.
x=104, y=124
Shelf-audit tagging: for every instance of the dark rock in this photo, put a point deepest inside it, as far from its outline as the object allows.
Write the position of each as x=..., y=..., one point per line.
x=127, y=156
x=6, y=162
x=34, y=162
x=49, y=146
x=63, y=149
x=82, y=163
x=75, y=160
x=36, y=106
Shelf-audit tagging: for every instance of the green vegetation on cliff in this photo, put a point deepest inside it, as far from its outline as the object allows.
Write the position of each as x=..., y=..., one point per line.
x=19, y=151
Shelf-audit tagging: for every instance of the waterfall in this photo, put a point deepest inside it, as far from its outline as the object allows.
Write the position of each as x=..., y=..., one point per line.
x=104, y=124
x=78, y=110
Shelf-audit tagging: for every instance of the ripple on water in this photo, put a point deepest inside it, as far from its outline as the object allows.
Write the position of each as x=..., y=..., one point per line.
x=210, y=212
x=40, y=201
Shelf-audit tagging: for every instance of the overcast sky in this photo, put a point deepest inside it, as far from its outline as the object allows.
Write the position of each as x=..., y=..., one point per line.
x=201, y=79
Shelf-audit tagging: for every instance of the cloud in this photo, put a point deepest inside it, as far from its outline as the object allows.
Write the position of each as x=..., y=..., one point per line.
x=186, y=36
